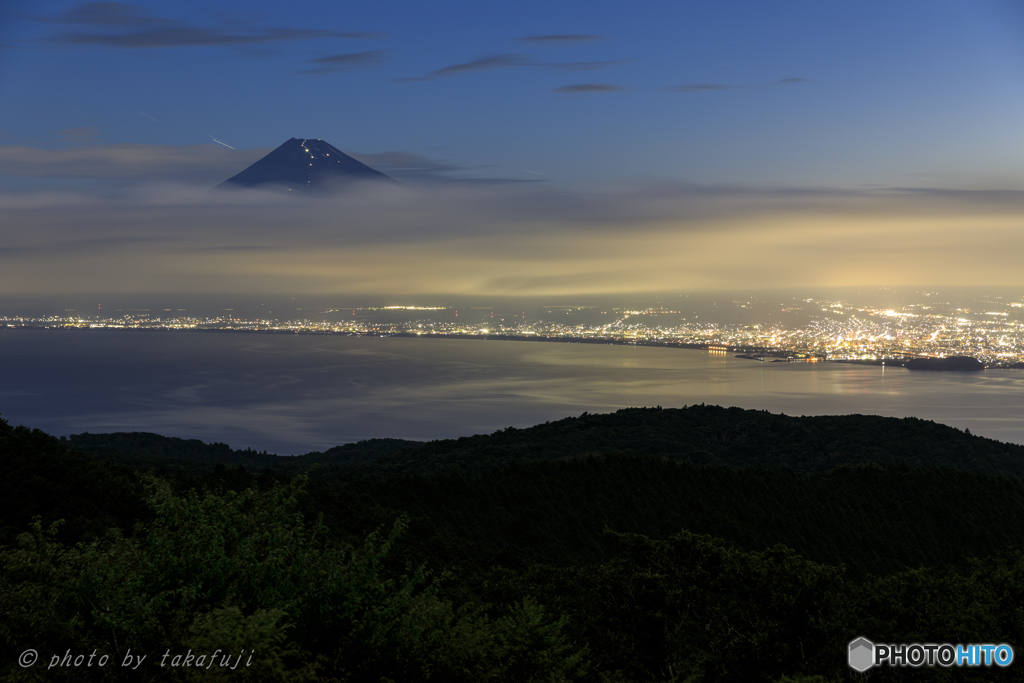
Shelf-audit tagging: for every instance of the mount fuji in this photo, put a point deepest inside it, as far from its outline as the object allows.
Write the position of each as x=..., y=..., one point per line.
x=305, y=164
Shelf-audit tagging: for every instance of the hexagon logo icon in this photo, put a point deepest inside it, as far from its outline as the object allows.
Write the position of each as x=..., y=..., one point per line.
x=862, y=654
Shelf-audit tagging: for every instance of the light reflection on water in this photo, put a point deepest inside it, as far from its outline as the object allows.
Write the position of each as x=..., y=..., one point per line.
x=296, y=393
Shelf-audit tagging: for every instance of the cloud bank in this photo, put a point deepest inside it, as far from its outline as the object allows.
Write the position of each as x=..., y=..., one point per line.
x=502, y=240
x=206, y=164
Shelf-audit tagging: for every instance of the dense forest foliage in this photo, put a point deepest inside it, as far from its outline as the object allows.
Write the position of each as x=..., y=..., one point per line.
x=147, y=451
x=646, y=545
x=871, y=519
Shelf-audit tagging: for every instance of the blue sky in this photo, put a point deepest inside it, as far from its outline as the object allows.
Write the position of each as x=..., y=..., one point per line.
x=908, y=93
x=683, y=116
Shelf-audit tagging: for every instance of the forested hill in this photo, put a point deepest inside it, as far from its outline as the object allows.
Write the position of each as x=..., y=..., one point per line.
x=721, y=436
x=699, y=434
x=148, y=451
x=149, y=448
x=570, y=567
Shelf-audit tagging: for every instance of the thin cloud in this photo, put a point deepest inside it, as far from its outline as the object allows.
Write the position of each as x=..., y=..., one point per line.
x=189, y=37
x=560, y=39
x=482, y=64
x=703, y=87
x=79, y=135
x=351, y=58
x=588, y=88
x=791, y=81
x=408, y=165
x=346, y=62
x=135, y=27
x=582, y=66
x=504, y=61
x=361, y=35
x=109, y=14
x=205, y=164
x=489, y=62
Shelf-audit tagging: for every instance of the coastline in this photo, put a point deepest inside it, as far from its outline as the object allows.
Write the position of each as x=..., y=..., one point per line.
x=762, y=354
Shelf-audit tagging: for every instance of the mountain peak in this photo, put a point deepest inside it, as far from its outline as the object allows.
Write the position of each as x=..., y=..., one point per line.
x=305, y=164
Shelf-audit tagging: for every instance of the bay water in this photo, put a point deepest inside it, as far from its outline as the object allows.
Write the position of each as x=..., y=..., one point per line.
x=295, y=393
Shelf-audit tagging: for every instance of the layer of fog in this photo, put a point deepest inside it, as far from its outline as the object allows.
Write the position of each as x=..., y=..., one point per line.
x=503, y=239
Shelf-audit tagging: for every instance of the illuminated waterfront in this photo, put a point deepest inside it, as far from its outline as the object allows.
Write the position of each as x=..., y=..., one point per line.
x=992, y=330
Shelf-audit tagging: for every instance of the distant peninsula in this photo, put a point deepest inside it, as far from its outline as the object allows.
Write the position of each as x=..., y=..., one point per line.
x=960, y=363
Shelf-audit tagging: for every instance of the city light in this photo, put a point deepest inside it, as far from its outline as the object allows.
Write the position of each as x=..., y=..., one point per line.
x=842, y=332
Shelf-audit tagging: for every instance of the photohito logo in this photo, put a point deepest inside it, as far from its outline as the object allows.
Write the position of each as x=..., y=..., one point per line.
x=863, y=654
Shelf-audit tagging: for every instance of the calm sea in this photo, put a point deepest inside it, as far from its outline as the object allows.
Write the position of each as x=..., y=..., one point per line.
x=291, y=394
